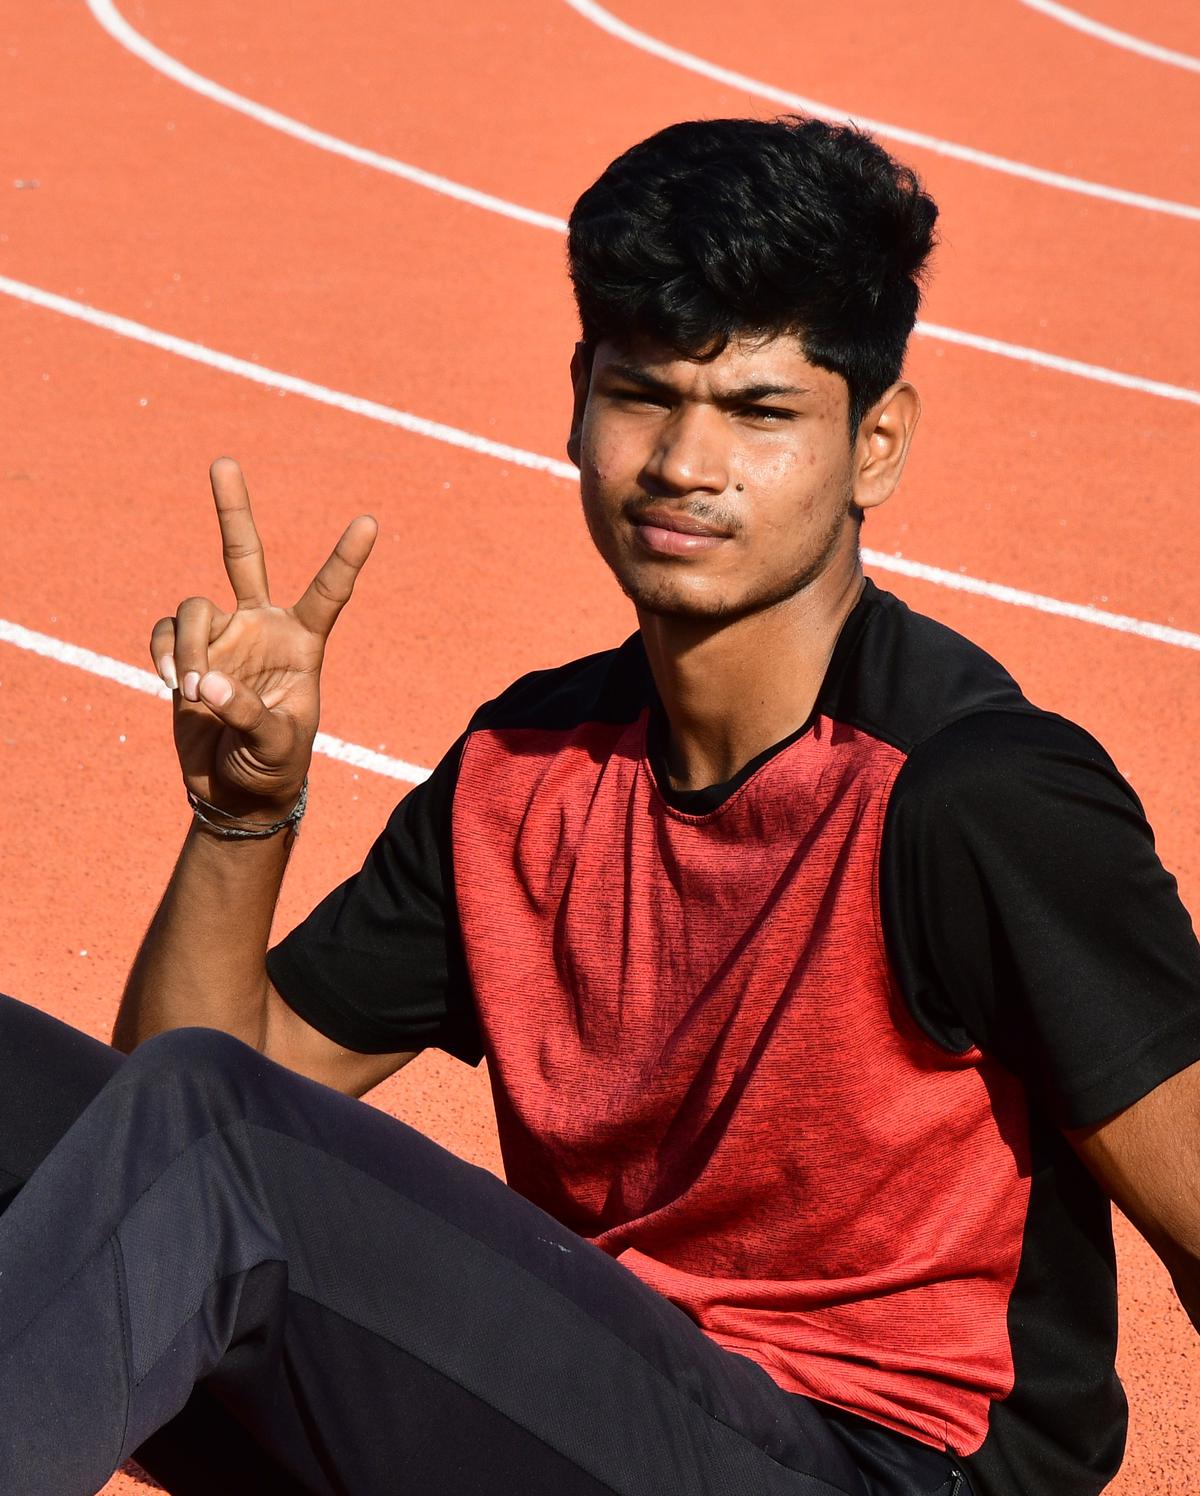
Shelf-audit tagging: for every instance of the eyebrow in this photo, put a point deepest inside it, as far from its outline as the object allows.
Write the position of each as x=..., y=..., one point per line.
x=745, y=394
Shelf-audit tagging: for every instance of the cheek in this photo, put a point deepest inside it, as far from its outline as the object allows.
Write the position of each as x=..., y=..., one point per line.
x=798, y=468
x=792, y=480
x=798, y=490
x=598, y=509
x=599, y=492
x=613, y=447
x=601, y=465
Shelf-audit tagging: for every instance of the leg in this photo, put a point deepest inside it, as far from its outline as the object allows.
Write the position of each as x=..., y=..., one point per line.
x=377, y=1314
x=49, y=1073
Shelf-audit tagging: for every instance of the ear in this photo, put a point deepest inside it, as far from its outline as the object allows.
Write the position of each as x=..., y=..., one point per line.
x=881, y=448
x=581, y=379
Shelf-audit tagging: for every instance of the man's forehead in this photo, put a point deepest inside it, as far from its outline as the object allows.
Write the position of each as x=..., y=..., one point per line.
x=748, y=361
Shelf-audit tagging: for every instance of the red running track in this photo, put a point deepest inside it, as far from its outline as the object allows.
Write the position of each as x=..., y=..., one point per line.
x=167, y=208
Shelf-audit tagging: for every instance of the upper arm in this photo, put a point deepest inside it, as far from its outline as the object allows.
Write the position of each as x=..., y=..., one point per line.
x=1148, y=1159
x=290, y=1040
x=377, y=971
x=1027, y=912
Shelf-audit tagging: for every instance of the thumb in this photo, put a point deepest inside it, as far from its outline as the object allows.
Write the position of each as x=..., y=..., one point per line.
x=234, y=704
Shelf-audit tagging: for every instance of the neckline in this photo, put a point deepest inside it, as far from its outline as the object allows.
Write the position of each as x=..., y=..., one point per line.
x=711, y=797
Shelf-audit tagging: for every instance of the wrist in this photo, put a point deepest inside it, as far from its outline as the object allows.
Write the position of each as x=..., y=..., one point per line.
x=266, y=805
x=256, y=822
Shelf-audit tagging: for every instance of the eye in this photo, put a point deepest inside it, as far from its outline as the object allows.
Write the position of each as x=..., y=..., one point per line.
x=769, y=415
x=640, y=399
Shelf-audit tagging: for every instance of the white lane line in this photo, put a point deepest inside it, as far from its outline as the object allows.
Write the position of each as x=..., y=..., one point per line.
x=276, y=380
x=51, y=301
x=106, y=13
x=1060, y=365
x=145, y=681
x=370, y=759
x=1121, y=623
x=606, y=21
x=1114, y=37
x=83, y=659
x=121, y=31
x=501, y=451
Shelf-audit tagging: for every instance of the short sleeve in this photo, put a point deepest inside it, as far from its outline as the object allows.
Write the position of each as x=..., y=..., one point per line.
x=1026, y=911
x=378, y=966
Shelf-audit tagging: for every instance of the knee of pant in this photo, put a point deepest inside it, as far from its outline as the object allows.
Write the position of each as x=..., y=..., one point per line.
x=201, y=1059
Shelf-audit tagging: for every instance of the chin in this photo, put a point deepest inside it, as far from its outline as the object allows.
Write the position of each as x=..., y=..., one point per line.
x=666, y=599
x=677, y=597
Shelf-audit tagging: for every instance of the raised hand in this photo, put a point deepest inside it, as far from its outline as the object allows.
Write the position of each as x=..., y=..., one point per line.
x=247, y=682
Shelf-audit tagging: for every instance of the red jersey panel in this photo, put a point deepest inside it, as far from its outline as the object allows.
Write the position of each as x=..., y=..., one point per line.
x=701, y=1062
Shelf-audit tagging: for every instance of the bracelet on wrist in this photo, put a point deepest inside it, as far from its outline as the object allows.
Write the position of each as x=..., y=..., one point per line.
x=234, y=828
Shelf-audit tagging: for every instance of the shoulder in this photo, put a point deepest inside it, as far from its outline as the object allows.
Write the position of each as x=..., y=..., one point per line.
x=1000, y=801
x=1006, y=763
x=969, y=735
x=903, y=677
x=611, y=686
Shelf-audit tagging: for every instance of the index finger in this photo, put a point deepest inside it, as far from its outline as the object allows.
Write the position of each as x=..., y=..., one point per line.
x=241, y=549
x=329, y=591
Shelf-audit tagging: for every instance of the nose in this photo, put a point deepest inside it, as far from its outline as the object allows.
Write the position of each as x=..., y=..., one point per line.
x=689, y=454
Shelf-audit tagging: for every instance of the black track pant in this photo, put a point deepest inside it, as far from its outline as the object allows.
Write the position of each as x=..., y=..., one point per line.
x=261, y=1286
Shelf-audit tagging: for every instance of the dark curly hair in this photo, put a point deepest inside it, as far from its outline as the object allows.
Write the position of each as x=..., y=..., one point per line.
x=714, y=229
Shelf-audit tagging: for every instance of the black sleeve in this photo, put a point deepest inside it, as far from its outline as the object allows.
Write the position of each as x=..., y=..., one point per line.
x=1025, y=910
x=378, y=965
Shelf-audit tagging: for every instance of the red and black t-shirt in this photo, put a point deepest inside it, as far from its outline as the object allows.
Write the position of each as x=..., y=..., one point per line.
x=797, y=1049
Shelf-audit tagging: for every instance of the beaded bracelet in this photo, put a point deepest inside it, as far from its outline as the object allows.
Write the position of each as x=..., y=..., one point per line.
x=232, y=828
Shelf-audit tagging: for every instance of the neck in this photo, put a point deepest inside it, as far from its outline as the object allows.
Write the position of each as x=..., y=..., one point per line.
x=732, y=689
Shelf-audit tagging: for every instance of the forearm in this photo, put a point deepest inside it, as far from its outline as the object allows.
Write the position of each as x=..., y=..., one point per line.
x=1148, y=1159
x=1187, y=1285
x=203, y=960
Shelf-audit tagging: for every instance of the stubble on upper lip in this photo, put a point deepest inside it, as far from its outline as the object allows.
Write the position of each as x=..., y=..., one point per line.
x=680, y=520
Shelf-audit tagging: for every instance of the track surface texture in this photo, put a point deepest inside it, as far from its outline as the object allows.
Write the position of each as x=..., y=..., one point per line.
x=128, y=191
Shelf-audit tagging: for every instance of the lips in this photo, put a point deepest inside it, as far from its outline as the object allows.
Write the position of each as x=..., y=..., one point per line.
x=664, y=532
x=682, y=524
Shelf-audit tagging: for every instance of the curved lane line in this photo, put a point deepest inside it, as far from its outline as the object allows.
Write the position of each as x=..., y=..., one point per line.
x=134, y=679
x=606, y=21
x=106, y=13
x=1058, y=363
x=1114, y=37
x=119, y=29
x=453, y=436
x=273, y=379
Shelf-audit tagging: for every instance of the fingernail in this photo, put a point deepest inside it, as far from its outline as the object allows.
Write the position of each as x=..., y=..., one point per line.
x=216, y=689
x=166, y=668
x=191, y=685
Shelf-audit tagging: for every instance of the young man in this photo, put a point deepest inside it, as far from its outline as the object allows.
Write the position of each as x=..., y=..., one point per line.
x=828, y=988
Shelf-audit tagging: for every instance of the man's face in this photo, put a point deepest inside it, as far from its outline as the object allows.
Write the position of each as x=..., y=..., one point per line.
x=714, y=489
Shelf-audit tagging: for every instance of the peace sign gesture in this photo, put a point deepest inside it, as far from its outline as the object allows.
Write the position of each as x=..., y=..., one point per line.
x=247, y=682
